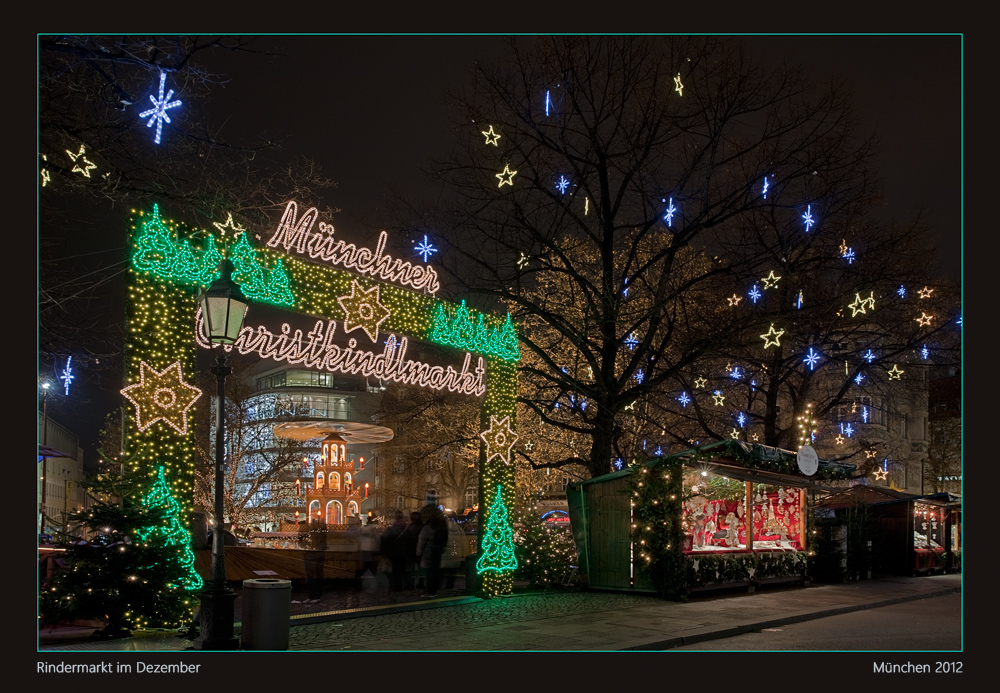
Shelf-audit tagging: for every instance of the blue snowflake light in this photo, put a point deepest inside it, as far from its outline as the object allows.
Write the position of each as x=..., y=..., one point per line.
x=631, y=342
x=847, y=430
x=864, y=414
x=812, y=358
x=671, y=209
x=618, y=463
x=684, y=399
x=901, y=291
x=858, y=378
x=639, y=375
x=807, y=218
x=766, y=186
x=741, y=419
x=562, y=184
x=625, y=290
x=548, y=102
x=924, y=352
x=868, y=356
x=798, y=300
x=67, y=374
x=735, y=374
x=158, y=113
x=658, y=451
x=959, y=321
x=849, y=256
x=754, y=293
x=425, y=249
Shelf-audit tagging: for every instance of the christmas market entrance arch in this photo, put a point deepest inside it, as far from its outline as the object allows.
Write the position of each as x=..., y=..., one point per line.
x=371, y=296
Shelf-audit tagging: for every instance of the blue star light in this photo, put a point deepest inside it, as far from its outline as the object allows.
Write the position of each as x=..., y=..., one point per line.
x=864, y=414
x=618, y=463
x=425, y=249
x=741, y=419
x=754, y=293
x=868, y=356
x=639, y=375
x=849, y=256
x=859, y=378
x=669, y=216
x=67, y=374
x=736, y=375
x=901, y=291
x=562, y=184
x=808, y=218
x=631, y=342
x=684, y=399
x=625, y=290
x=924, y=352
x=798, y=300
x=766, y=186
x=158, y=113
x=812, y=358
x=848, y=430
x=658, y=451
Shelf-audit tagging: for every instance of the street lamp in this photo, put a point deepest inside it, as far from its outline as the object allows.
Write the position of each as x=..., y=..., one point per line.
x=223, y=307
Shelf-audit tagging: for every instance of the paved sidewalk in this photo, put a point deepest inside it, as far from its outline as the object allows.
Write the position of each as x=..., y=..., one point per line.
x=556, y=621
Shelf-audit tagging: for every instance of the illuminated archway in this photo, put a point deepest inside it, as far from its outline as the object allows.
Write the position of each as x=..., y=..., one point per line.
x=334, y=513
x=377, y=301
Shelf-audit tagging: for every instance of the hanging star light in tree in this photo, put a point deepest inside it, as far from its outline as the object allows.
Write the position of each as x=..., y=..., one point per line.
x=363, y=309
x=741, y=419
x=425, y=249
x=499, y=439
x=562, y=184
x=848, y=430
x=859, y=378
x=639, y=375
x=158, y=113
x=67, y=374
x=735, y=373
x=807, y=218
x=869, y=356
x=522, y=261
x=901, y=291
x=734, y=299
x=766, y=186
x=798, y=300
x=734, y=434
x=770, y=281
x=924, y=320
x=161, y=396
x=754, y=294
x=924, y=352
x=491, y=136
x=860, y=304
x=506, y=176
x=670, y=211
x=869, y=454
x=79, y=157
x=719, y=397
x=684, y=399
x=678, y=86
x=631, y=342
x=700, y=382
x=46, y=176
x=895, y=372
x=881, y=474
x=230, y=225
x=925, y=292
x=849, y=256
x=812, y=358
x=772, y=334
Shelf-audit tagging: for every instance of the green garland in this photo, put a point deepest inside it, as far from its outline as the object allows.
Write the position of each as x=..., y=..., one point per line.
x=708, y=569
x=655, y=492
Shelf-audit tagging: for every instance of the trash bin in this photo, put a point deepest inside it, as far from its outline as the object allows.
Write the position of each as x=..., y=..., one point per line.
x=267, y=613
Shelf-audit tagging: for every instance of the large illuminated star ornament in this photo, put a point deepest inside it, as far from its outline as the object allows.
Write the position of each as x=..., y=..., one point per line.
x=426, y=249
x=562, y=184
x=87, y=163
x=719, y=397
x=772, y=334
x=499, y=439
x=230, y=225
x=506, y=176
x=881, y=474
x=700, y=382
x=859, y=304
x=895, y=372
x=491, y=136
x=924, y=320
x=161, y=396
x=362, y=309
x=770, y=281
x=158, y=113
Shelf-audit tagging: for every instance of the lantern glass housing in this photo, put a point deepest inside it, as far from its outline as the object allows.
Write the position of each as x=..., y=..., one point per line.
x=223, y=307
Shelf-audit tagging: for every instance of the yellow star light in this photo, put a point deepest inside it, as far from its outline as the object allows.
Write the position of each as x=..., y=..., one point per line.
x=924, y=320
x=843, y=246
x=230, y=224
x=839, y=440
x=499, y=439
x=925, y=292
x=508, y=174
x=871, y=301
x=881, y=474
x=869, y=454
x=161, y=396
x=630, y=406
x=719, y=398
x=756, y=436
x=699, y=382
x=734, y=434
x=860, y=304
x=734, y=299
x=362, y=309
x=87, y=163
x=491, y=136
x=770, y=281
x=678, y=87
x=895, y=372
x=522, y=262
x=529, y=445
x=772, y=333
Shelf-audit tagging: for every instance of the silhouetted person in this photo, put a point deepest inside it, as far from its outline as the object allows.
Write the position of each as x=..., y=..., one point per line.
x=369, y=540
x=408, y=545
x=431, y=545
x=393, y=549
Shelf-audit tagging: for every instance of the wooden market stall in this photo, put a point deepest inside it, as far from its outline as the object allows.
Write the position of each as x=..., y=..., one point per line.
x=742, y=510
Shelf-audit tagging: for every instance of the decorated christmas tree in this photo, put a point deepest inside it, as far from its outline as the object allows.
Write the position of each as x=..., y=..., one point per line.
x=497, y=552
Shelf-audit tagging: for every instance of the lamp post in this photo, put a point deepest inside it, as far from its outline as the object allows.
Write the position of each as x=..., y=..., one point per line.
x=223, y=307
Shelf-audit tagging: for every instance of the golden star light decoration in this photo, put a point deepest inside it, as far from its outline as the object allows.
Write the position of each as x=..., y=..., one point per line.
x=925, y=292
x=491, y=136
x=860, y=304
x=87, y=164
x=719, y=398
x=839, y=439
x=700, y=381
x=506, y=176
x=161, y=396
x=772, y=334
x=678, y=86
x=895, y=372
x=881, y=474
x=229, y=225
x=770, y=281
x=734, y=434
x=924, y=320
x=499, y=439
x=362, y=309
x=869, y=454
x=522, y=261
x=734, y=299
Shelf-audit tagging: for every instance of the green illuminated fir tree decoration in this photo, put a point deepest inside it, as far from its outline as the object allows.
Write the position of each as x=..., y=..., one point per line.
x=154, y=245
x=463, y=332
x=498, y=539
x=256, y=282
x=210, y=260
x=171, y=532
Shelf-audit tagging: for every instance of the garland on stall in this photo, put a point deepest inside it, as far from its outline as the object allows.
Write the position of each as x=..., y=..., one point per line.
x=655, y=492
x=742, y=567
x=765, y=459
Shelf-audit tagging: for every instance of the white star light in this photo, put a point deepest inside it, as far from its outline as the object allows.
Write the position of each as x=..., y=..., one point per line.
x=901, y=291
x=671, y=209
x=765, y=187
x=678, y=87
x=741, y=419
x=425, y=249
x=754, y=294
x=158, y=113
x=67, y=374
x=684, y=399
x=812, y=358
x=808, y=218
x=869, y=356
x=562, y=184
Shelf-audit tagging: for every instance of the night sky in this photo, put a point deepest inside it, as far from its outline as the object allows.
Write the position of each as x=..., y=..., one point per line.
x=373, y=110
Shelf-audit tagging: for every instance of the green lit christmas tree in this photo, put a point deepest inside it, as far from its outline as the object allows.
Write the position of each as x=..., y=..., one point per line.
x=497, y=549
x=547, y=552
x=170, y=531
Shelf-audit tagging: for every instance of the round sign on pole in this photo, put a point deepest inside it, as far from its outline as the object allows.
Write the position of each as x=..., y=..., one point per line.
x=807, y=459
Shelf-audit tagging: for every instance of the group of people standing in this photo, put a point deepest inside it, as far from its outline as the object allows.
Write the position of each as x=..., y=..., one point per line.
x=418, y=552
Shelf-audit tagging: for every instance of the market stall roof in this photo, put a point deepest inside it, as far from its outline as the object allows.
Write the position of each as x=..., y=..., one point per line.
x=861, y=494
x=746, y=462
